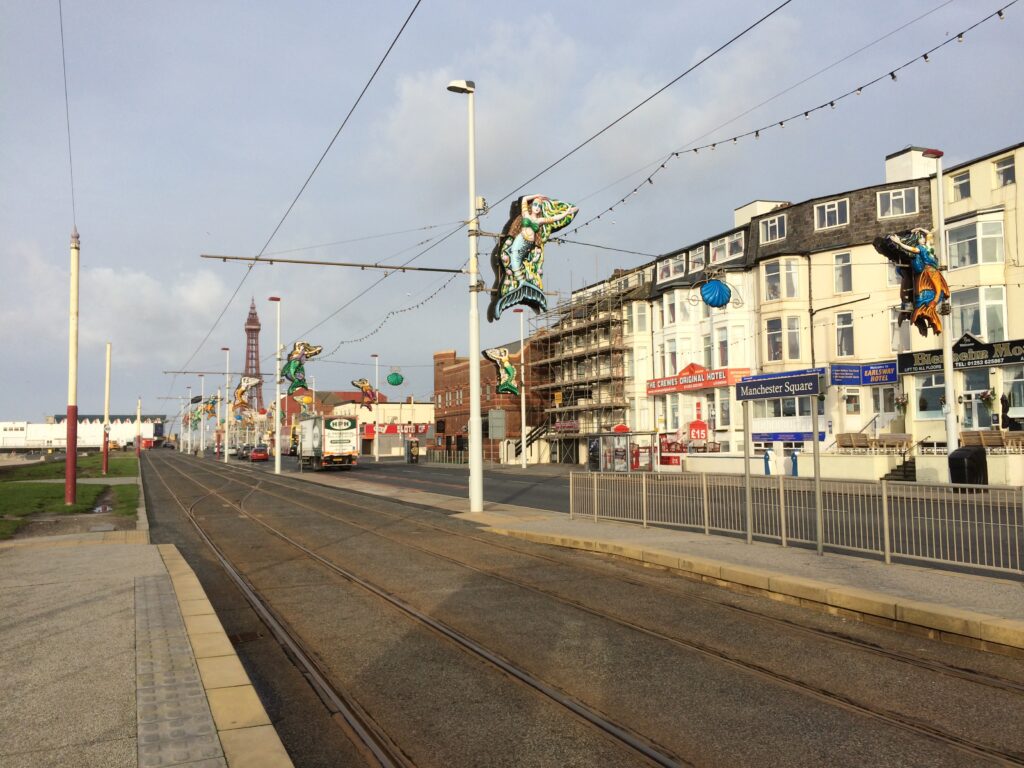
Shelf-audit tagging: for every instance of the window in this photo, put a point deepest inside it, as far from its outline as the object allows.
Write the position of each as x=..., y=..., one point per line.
x=679, y=266
x=669, y=300
x=899, y=333
x=773, y=229
x=1005, y=172
x=852, y=398
x=844, y=334
x=697, y=259
x=726, y=248
x=974, y=243
x=708, y=362
x=627, y=320
x=961, y=184
x=897, y=202
x=892, y=273
x=774, y=334
x=671, y=361
x=722, y=335
x=641, y=317
x=792, y=338
x=438, y=399
x=664, y=270
x=835, y=213
x=448, y=399
x=775, y=287
x=980, y=312
x=673, y=412
x=930, y=391
x=1013, y=388
x=844, y=272
x=723, y=407
x=458, y=397
x=883, y=399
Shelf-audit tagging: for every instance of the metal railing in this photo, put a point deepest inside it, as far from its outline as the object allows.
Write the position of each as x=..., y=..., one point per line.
x=441, y=456
x=981, y=527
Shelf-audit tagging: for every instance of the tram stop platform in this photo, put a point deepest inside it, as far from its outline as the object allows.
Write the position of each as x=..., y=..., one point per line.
x=113, y=656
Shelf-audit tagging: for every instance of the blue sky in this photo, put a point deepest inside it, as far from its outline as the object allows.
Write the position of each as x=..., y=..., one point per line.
x=194, y=125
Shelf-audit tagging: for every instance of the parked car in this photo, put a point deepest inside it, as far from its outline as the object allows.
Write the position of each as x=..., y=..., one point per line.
x=232, y=450
x=243, y=451
x=259, y=453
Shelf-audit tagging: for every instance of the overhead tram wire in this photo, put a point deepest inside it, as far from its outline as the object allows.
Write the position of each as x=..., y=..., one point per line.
x=658, y=92
x=888, y=75
x=305, y=184
x=67, y=115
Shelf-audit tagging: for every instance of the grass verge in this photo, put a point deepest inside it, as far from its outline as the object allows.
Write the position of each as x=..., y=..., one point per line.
x=88, y=467
x=126, y=499
x=20, y=500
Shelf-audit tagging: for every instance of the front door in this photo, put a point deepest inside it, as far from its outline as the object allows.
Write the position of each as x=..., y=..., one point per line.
x=976, y=413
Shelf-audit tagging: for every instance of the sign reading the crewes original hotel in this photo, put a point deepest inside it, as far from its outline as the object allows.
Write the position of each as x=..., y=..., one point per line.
x=968, y=352
x=694, y=377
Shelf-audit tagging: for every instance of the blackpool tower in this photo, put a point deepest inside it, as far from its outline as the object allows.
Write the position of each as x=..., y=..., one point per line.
x=252, y=356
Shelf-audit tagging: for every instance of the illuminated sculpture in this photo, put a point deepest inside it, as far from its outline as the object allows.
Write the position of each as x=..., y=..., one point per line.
x=294, y=371
x=518, y=258
x=924, y=292
x=210, y=407
x=395, y=378
x=714, y=291
x=241, y=403
x=506, y=371
x=368, y=393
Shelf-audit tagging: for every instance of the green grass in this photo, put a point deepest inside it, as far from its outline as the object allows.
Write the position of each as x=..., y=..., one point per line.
x=88, y=467
x=126, y=499
x=25, y=499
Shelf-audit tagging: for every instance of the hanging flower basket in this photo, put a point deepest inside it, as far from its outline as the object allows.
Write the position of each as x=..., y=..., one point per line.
x=987, y=397
x=901, y=402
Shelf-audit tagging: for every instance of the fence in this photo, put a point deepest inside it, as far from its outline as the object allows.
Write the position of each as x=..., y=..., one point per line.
x=441, y=456
x=969, y=525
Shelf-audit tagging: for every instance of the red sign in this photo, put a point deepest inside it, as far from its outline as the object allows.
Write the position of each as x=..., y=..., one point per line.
x=697, y=409
x=620, y=428
x=396, y=429
x=694, y=377
x=698, y=430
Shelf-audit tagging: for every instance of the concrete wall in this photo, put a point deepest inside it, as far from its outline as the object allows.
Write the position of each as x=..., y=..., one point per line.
x=833, y=466
x=1003, y=469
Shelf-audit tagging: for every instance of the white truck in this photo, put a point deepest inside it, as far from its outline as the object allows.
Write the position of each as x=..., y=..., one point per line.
x=328, y=441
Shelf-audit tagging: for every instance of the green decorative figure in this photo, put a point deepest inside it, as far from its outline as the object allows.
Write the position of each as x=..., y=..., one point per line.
x=295, y=369
x=506, y=371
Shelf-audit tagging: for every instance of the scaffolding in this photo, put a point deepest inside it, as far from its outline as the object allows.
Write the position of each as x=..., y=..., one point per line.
x=578, y=364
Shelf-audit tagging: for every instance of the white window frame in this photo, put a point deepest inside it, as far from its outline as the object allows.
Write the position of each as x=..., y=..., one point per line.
x=842, y=264
x=768, y=334
x=840, y=208
x=981, y=238
x=671, y=313
x=930, y=381
x=718, y=250
x=960, y=184
x=793, y=327
x=844, y=322
x=773, y=274
x=698, y=259
x=722, y=345
x=773, y=229
x=902, y=196
x=709, y=351
x=989, y=299
x=1005, y=170
x=899, y=333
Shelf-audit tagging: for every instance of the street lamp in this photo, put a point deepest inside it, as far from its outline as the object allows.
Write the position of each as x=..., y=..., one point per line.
x=522, y=387
x=202, y=416
x=188, y=397
x=952, y=441
x=376, y=396
x=71, y=420
x=476, y=458
x=227, y=394
x=277, y=390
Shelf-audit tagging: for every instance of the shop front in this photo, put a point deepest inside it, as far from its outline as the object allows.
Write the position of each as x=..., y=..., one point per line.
x=620, y=451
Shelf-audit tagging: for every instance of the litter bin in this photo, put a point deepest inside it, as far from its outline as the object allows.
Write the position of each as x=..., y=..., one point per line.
x=412, y=452
x=968, y=466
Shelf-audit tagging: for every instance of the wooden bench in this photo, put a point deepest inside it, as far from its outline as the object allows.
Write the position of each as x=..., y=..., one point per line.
x=844, y=442
x=853, y=442
x=994, y=440
x=895, y=442
x=970, y=438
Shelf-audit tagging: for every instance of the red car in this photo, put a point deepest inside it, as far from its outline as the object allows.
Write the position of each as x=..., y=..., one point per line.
x=259, y=453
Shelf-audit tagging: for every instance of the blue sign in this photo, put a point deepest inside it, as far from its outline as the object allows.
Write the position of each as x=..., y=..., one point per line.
x=864, y=375
x=781, y=374
x=785, y=437
x=756, y=388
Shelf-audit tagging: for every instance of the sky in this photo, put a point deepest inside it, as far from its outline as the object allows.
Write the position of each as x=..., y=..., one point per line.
x=194, y=125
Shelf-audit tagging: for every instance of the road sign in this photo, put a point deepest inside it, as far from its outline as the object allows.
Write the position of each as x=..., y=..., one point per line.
x=779, y=386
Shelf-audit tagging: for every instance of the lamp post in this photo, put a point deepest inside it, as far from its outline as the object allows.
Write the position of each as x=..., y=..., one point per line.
x=277, y=389
x=138, y=428
x=376, y=397
x=227, y=394
x=522, y=387
x=71, y=420
x=106, y=415
x=202, y=416
x=952, y=440
x=191, y=415
x=476, y=459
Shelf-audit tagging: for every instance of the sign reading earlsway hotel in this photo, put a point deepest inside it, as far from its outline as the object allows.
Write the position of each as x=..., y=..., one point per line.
x=694, y=377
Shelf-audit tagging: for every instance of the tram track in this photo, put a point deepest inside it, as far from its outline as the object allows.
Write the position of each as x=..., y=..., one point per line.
x=833, y=698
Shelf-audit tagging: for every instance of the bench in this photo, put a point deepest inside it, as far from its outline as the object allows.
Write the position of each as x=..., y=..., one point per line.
x=853, y=442
x=994, y=440
x=895, y=442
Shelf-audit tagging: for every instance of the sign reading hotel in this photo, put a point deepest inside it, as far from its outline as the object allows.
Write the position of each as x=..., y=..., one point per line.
x=863, y=375
x=968, y=352
x=694, y=377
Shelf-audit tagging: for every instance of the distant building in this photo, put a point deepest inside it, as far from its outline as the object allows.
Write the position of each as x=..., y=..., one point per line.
x=24, y=435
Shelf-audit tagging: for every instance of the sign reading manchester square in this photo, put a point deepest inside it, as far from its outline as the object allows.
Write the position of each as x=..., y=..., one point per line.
x=797, y=384
x=968, y=352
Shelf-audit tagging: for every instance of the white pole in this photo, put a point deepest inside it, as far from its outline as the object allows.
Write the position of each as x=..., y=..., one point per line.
x=952, y=437
x=522, y=386
x=188, y=404
x=106, y=414
x=376, y=389
x=71, y=421
x=202, y=416
x=227, y=396
x=277, y=395
x=138, y=427
x=476, y=457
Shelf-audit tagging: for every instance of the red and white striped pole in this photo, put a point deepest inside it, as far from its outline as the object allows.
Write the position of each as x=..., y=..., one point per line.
x=106, y=416
x=71, y=461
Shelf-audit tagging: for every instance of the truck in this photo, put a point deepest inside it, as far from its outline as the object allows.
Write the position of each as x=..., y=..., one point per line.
x=328, y=441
